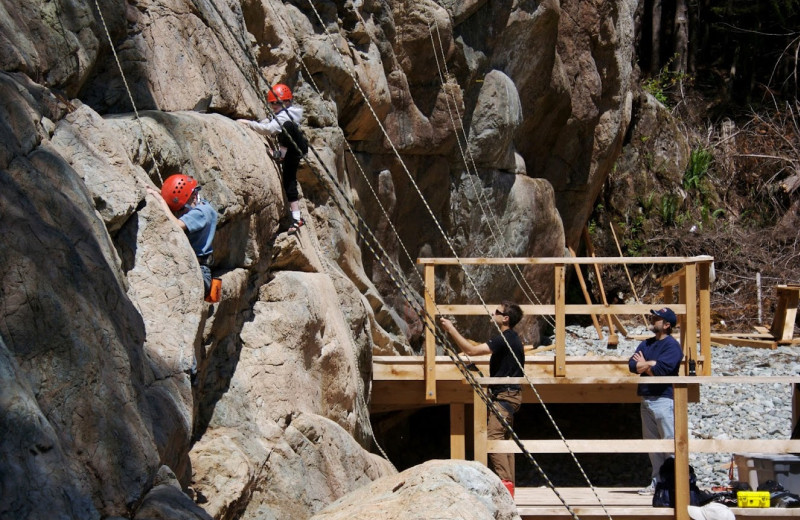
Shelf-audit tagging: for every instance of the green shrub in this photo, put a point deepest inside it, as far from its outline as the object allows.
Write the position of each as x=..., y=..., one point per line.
x=699, y=163
x=669, y=208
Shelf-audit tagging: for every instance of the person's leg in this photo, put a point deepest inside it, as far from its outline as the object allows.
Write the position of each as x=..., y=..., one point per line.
x=507, y=404
x=663, y=410
x=650, y=431
x=206, y=279
x=289, y=172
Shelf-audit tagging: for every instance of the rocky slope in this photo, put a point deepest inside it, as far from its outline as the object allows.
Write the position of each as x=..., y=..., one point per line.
x=122, y=391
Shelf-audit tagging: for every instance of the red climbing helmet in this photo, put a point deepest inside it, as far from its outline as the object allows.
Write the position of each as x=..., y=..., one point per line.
x=177, y=190
x=283, y=92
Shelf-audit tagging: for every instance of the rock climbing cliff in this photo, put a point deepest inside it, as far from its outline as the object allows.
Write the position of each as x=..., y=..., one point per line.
x=476, y=128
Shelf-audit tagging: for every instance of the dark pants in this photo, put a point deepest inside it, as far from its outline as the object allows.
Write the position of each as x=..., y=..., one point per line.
x=289, y=167
x=206, y=279
x=507, y=403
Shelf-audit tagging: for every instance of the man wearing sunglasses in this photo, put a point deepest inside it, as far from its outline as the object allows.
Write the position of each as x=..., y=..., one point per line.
x=507, y=359
x=660, y=355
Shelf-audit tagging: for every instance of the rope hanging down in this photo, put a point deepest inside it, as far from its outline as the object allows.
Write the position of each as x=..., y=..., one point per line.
x=128, y=90
x=443, y=77
x=469, y=278
x=368, y=239
x=467, y=376
x=465, y=152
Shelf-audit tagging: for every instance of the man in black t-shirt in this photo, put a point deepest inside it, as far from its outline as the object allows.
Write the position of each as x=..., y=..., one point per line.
x=502, y=363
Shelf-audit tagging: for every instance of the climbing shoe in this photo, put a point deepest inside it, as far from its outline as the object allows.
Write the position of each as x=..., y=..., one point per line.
x=295, y=227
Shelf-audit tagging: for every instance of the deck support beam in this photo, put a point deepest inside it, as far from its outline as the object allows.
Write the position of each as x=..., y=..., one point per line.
x=457, y=431
x=479, y=430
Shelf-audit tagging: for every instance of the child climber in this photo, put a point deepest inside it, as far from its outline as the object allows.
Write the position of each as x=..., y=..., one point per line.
x=293, y=145
x=195, y=216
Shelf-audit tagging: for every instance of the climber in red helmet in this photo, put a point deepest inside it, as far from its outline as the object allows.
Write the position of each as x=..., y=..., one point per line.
x=293, y=145
x=179, y=198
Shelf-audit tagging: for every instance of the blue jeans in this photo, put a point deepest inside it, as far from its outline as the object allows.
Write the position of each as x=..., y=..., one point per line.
x=658, y=422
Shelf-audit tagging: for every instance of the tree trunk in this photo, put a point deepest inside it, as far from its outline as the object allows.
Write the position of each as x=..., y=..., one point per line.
x=655, y=38
x=681, y=37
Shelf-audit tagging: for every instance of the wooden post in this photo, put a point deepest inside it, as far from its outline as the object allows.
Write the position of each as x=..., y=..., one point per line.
x=690, y=323
x=704, y=270
x=430, y=339
x=479, y=430
x=758, y=296
x=561, y=321
x=795, y=407
x=669, y=297
x=785, y=313
x=457, y=431
x=586, y=296
x=612, y=336
x=681, y=451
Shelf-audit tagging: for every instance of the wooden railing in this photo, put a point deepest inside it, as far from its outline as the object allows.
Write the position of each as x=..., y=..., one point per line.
x=680, y=446
x=692, y=306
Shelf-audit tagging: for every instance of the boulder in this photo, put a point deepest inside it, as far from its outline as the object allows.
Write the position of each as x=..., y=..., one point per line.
x=496, y=117
x=291, y=468
x=456, y=490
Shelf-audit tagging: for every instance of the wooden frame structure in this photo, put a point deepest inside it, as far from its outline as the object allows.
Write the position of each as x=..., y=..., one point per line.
x=680, y=446
x=692, y=292
x=403, y=382
x=782, y=330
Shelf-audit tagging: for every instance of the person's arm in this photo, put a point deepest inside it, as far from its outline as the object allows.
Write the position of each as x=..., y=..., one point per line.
x=268, y=128
x=463, y=343
x=632, y=361
x=668, y=361
x=170, y=215
x=640, y=364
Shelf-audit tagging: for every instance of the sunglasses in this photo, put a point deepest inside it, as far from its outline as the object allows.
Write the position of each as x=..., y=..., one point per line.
x=499, y=313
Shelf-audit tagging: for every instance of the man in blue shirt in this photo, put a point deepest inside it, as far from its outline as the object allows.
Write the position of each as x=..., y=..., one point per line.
x=660, y=355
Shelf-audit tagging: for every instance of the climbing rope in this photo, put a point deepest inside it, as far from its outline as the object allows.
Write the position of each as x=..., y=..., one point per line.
x=409, y=300
x=443, y=76
x=128, y=90
x=447, y=240
x=368, y=239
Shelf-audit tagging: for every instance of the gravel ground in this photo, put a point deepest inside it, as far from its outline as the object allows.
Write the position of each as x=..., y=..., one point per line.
x=730, y=411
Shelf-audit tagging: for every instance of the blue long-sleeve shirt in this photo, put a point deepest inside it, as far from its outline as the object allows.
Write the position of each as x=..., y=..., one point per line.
x=668, y=355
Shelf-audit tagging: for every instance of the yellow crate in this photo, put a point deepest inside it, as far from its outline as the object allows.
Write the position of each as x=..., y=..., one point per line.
x=752, y=498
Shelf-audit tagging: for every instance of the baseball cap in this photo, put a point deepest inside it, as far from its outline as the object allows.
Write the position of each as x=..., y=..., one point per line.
x=711, y=511
x=667, y=315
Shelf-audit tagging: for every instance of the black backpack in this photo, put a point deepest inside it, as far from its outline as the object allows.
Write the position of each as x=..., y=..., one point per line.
x=778, y=496
x=664, y=495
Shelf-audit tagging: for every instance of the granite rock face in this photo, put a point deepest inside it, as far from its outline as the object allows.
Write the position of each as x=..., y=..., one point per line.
x=125, y=394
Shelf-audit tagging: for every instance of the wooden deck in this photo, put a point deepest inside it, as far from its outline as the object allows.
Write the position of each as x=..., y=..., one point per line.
x=407, y=382
x=623, y=503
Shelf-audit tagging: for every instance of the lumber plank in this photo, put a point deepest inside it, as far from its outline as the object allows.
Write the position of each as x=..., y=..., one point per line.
x=458, y=448
x=646, y=446
x=550, y=309
x=566, y=260
x=635, y=380
x=743, y=342
x=430, y=339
